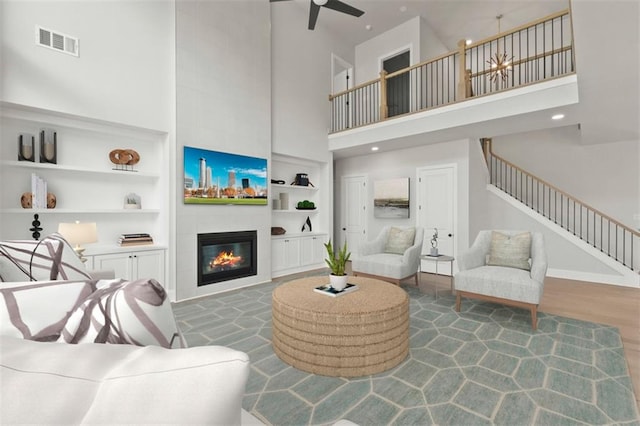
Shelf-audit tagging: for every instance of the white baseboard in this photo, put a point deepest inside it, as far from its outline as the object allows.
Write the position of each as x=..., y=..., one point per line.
x=624, y=281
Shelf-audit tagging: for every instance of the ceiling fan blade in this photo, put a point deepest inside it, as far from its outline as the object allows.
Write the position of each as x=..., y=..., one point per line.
x=313, y=14
x=343, y=7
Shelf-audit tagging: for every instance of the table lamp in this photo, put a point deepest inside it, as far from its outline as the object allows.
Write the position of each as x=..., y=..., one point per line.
x=79, y=233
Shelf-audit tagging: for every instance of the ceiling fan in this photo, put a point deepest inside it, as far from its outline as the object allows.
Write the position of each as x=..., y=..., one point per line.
x=337, y=5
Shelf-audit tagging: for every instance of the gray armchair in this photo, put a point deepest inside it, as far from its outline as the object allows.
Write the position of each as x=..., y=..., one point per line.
x=381, y=258
x=492, y=270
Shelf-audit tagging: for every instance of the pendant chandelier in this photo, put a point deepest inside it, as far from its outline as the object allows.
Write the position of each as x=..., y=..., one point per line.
x=500, y=63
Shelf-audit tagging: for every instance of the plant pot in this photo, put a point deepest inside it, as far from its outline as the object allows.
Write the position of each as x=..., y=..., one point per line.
x=338, y=282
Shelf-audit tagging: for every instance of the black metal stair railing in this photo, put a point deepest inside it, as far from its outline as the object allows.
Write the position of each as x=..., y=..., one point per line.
x=606, y=234
x=537, y=51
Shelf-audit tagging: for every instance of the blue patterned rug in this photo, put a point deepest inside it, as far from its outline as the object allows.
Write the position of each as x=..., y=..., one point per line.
x=482, y=366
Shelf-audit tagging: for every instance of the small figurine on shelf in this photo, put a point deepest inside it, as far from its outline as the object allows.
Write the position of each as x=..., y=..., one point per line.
x=434, y=243
x=35, y=228
x=132, y=201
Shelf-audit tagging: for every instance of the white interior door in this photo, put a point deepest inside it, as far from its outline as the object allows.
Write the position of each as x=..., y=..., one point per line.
x=354, y=212
x=436, y=194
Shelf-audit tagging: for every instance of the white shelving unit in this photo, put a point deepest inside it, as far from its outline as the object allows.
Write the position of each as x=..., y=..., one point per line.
x=297, y=251
x=86, y=185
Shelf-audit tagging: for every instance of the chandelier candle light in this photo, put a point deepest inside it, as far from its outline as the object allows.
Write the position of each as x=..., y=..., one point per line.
x=500, y=63
x=79, y=233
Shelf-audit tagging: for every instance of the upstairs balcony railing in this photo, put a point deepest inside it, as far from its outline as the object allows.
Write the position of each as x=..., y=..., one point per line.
x=535, y=52
x=599, y=230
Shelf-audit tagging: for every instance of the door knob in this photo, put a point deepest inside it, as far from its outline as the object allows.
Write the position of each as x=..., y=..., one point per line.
x=344, y=229
x=450, y=235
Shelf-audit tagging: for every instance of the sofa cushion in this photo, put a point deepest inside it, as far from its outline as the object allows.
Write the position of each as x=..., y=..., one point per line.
x=382, y=264
x=399, y=240
x=497, y=281
x=39, y=310
x=52, y=258
x=511, y=251
x=57, y=383
x=119, y=311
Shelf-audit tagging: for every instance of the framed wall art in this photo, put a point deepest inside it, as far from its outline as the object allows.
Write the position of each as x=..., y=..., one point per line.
x=391, y=198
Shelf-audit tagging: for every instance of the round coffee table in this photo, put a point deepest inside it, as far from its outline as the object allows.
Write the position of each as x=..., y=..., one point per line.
x=355, y=334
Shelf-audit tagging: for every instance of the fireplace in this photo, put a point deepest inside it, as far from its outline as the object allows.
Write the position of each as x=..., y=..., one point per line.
x=226, y=256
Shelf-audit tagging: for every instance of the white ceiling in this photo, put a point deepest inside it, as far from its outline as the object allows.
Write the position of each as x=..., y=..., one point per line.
x=452, y=20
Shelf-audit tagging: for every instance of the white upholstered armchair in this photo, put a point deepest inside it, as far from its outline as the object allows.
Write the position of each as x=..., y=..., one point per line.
x=506, y=267
x=394, y=255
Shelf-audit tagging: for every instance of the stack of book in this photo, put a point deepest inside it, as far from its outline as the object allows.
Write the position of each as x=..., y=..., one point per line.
x=135, y=239
x=38, y=192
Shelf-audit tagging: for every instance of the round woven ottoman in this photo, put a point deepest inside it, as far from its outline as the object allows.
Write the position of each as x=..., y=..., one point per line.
x=356, y=334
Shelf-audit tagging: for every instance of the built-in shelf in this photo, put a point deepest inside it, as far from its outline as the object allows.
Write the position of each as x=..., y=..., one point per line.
x=76, y=211
x=304, y=188
x=73, y=169
x=296, y=211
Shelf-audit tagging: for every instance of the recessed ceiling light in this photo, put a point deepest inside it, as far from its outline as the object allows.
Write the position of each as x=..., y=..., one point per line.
x=374, y=148
x=368, y=27
x=403, y=9
x=468, y=41
x=557, y=117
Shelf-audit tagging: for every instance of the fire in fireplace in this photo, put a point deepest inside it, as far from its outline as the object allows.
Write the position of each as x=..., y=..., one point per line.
x=226, y=256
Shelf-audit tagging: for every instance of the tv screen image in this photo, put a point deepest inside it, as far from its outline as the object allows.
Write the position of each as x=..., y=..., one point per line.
x=213, y=177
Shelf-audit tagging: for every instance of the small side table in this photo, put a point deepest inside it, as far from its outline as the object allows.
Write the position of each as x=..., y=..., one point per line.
x=438, y=259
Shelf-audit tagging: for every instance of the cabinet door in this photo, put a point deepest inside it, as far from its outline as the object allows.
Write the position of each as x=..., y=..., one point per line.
x=285, y=253
x=120, y=263
x=278, y=254
x=312, y=250
x=149, y=264
x=292, y=252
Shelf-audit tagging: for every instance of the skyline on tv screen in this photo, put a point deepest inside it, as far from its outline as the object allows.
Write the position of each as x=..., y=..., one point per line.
x=219, y=177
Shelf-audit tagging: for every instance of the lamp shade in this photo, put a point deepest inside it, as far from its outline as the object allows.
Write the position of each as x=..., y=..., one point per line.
x=79, y=233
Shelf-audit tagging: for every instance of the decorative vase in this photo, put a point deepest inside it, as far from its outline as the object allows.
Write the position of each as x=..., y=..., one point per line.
x=434, y=251
x=338, y=282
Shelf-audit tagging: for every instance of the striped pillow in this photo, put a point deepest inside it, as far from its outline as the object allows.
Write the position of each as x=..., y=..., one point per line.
x=40, y=310
x=125, y=312
x=52, y=258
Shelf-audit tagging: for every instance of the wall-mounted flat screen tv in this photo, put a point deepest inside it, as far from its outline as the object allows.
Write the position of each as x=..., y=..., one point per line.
x=213, y=177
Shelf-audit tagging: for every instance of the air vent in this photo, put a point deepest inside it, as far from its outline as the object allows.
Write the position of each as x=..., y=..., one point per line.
x=56, y=41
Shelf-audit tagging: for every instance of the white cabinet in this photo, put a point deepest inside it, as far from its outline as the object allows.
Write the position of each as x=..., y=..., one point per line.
x=285, y=253
x=297, y=253
x=308, y=244
x=312, y=250
x=133, y=264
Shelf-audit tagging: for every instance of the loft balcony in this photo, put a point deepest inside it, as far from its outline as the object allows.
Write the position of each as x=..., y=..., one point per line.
x=503, y=84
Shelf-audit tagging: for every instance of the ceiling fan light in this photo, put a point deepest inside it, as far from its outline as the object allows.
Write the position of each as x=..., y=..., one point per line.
x=320, y=2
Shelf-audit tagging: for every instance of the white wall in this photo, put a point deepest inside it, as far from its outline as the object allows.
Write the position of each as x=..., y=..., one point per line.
x=370, y=54
x=404, y=163
x=301, y=82
x=479, y=217
x=223, y=104
x=124, y=72
x=604, y=176
x=430, y=44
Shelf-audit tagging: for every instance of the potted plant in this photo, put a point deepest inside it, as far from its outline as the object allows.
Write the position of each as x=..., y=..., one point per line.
x=337, y=263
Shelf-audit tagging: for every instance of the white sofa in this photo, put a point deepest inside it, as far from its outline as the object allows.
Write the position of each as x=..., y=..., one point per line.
x=149, y=378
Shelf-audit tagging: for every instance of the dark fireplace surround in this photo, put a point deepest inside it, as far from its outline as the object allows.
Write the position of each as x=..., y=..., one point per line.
x=226, y=256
